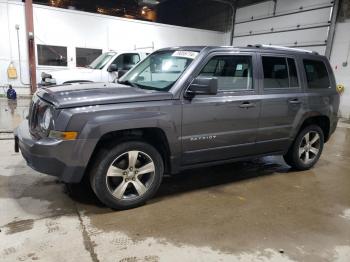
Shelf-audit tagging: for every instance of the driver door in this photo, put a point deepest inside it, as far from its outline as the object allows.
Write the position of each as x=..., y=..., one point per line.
x=223, y=126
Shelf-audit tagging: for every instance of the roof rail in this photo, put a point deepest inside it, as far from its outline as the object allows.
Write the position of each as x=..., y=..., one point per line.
x=284, y=48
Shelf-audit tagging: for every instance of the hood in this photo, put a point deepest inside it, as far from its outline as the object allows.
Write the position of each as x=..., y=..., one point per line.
x=81, y=73
x=76, y=95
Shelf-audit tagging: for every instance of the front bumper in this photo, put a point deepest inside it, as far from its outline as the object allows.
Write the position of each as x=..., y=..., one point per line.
x=50, y=156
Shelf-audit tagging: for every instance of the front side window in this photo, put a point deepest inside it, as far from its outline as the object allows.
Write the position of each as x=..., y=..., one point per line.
x=84, y=56
x=160, y=70
x=101, y=61
x=233, y=72
x=51, y=55
x=126, y=61
x=316, y=74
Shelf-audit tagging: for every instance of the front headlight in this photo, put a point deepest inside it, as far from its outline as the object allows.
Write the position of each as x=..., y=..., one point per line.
x=46, y=119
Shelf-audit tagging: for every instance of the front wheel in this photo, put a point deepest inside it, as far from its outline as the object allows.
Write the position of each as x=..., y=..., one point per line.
x=306, y=149
x=127, y=175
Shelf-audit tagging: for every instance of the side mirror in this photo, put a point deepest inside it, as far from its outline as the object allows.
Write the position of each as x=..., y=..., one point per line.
x=203, y=86
x=121, y=73
x=112, y=68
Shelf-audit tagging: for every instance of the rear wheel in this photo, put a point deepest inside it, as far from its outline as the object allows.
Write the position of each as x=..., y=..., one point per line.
x=306, y=149
x=127, y=175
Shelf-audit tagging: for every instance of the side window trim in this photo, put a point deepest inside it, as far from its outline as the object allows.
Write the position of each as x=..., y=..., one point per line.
x=299, y=87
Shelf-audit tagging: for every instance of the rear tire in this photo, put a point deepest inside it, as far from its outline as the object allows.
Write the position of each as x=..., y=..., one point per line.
x=126, y=175
x=306, y=148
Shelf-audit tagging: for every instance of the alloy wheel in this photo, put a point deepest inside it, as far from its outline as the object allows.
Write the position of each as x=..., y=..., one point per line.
x=130, y=175
x=309, y=147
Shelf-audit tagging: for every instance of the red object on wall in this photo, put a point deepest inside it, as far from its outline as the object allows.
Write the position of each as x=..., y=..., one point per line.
x=31, y=43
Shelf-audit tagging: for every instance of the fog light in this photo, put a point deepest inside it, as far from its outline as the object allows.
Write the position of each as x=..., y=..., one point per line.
x=66, y=135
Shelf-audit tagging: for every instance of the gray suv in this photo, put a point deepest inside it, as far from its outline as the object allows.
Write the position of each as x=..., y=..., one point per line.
x=182, y=108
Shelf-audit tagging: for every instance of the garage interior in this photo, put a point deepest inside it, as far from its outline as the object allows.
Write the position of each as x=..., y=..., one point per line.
x=257, y=210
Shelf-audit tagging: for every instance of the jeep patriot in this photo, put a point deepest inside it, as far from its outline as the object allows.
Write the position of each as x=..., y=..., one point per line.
x=182, y=108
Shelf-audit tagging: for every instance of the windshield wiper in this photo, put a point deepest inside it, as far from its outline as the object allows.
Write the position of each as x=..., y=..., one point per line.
x=127, y=82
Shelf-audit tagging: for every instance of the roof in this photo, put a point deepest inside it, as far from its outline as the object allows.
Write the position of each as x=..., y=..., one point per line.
x=254, y=48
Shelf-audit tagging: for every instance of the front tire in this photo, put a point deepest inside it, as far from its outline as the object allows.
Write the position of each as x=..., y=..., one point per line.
x=306, y=148
x=126, y=175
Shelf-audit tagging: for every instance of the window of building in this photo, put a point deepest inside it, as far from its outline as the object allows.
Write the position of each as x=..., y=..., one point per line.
x=84, y=56
x=126, y=61
x=316, y=74
x=233, y=72
x=50, y=55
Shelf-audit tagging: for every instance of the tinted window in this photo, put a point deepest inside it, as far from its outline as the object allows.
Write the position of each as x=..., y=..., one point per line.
x=293, y=76
x=84, y=56
x=233, y=72
x=52, y=55
x=275, y=72
x=316, y=74
x=126, y=61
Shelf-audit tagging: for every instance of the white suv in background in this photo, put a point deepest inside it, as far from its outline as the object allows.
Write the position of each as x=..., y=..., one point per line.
x=103, y=69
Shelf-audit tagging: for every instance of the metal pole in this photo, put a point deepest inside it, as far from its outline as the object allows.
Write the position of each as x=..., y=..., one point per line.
x=331, y=30
x=233, y=19
x=31, y=44
x=274, y=7
x=232, y=4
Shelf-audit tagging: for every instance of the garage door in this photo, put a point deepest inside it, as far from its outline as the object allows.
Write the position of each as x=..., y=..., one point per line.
x=303, y=24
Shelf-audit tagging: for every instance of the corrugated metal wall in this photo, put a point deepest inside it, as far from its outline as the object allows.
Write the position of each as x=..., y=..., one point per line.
x=299, y=23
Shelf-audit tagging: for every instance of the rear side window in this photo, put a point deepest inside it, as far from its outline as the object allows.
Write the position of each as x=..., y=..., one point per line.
x=316, y=74
x=279, y=72
x=233, y=72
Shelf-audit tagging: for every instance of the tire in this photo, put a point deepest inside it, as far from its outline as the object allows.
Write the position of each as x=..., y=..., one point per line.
x=117, y=172
x=307, y=157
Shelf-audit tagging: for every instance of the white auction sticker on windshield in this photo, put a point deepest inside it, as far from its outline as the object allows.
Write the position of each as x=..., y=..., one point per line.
x=186, y=54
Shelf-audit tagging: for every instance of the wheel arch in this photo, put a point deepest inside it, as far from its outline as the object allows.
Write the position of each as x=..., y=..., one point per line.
x=320, y=120
x=155, y=136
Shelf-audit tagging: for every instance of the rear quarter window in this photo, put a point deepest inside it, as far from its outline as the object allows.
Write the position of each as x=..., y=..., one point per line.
x=316, y=74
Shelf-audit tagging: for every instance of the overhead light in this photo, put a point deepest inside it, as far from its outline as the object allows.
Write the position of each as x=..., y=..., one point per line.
x=150, y=2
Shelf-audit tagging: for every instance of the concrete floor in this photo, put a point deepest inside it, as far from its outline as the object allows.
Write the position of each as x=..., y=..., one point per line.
x=248, y=211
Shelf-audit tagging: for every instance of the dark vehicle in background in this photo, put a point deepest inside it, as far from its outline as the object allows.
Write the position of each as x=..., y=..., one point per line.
x=182, y=108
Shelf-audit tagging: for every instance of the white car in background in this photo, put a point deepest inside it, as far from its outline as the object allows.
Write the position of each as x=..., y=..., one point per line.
x=103, y=69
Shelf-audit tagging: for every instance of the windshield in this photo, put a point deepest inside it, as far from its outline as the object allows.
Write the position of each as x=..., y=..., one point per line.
x=160, y=70
x=101, y=61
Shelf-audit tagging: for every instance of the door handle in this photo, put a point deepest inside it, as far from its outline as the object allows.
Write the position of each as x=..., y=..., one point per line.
x=294, y=101
x=247, y=104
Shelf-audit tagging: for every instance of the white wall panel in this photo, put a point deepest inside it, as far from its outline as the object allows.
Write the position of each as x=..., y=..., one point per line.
x=288, y=5
x=55, y=26
x=306, y=28
x=258, y=10
x=310, y=37
x=311, y=18
x=341, y=54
